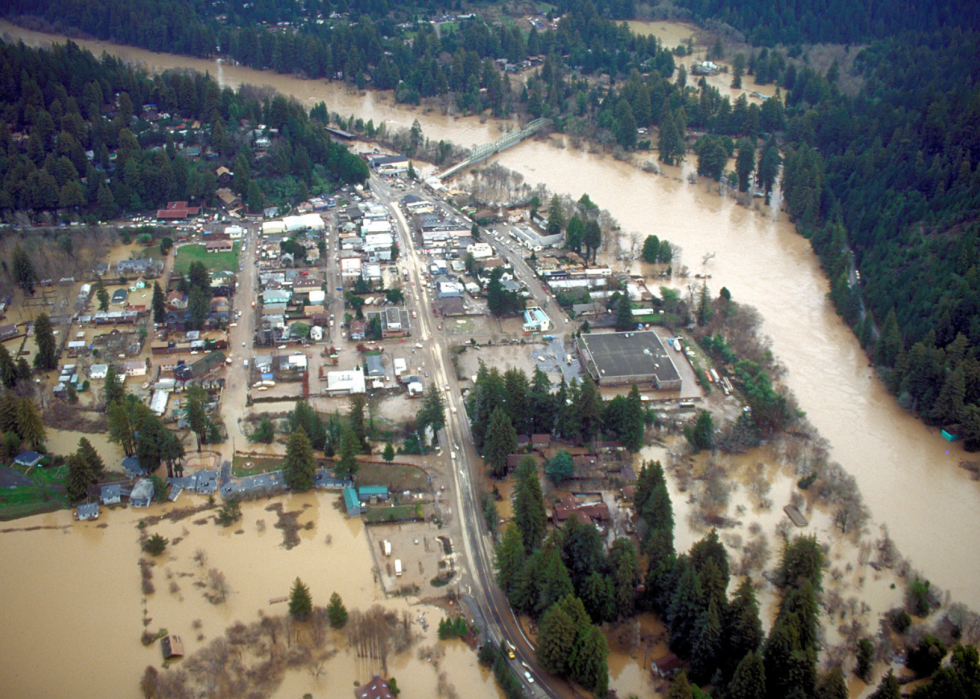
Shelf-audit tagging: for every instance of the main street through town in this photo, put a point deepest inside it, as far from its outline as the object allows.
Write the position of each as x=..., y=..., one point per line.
x=476, y=580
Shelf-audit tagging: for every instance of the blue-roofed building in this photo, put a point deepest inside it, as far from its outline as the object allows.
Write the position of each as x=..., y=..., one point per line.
x=352, y=503
x=372, y=492
x=28, y=459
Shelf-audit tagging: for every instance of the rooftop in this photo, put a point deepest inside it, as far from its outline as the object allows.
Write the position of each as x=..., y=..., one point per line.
x=634, y=356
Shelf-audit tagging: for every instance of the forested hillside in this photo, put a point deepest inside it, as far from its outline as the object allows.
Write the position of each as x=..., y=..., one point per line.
x=832, y=21
x=95, y=137
x=885, y=182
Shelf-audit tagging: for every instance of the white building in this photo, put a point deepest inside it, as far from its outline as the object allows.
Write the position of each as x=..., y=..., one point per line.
x=316, y=333
x=379, y=225
x=345, y=382
x=98, y=371
x=135, y=368
x=350, y=267
x=317, y=296
x=479, y=251
x=158, y=404
x=273, y=228
x=234, y=232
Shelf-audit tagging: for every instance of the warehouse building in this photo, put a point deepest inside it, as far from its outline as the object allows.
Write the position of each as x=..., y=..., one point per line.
x=616, y=359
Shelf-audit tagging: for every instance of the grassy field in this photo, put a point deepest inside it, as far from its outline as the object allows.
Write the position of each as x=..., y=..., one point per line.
x=45, y=495
x=215, y=261
x=239, y=469
x=387, y=514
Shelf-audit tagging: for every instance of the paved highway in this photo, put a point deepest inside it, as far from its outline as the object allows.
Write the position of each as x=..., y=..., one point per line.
x=476, y=577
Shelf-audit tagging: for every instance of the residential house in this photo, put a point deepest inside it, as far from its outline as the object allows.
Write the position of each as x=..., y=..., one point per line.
x=110, y=494
x=87, y=511
x=28, y=459
x=142, y=494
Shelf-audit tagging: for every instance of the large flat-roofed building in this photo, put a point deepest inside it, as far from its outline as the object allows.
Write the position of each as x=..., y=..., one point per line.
x=615, y=359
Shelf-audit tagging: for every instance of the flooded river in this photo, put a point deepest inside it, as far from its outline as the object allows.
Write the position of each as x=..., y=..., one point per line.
x=907, y=473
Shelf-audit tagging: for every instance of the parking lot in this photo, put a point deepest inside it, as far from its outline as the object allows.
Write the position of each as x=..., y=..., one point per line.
x=423, y=556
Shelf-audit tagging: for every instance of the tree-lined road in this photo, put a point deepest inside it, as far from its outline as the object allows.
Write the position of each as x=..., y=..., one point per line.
x=476, y=578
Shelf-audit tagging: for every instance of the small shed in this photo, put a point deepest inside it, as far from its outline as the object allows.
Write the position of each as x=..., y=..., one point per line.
x=28, y=459
x=110, y=494
x=87, y=512
x=172, y=646
x=352, y=503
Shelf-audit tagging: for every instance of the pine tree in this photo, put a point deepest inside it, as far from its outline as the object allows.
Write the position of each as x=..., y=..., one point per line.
x=159, y=303
x=587, y=664
x=197, y=417
x=589, y=409
x=624, y=314
x=501, y=440
x=833, y=686
x=707, y=644
x=625, y=570
x=300, y=602
x=23, y=270
x=509, y=559
x=743, y=629
x=681, y=688
x=347, y=464
x=101, y=295
x=47, y=349
x=633, y=423
x=336, y=612
x=298, y=466
x=8, y=370
x=30, y=427
x=888, y=688
x=113, y=390
x=553, y=581
x=556, y=636
x=389, y=452
x=685, y=611
x=91, y=457
x=749, y=681
x=80, y=478
x=529, y=511
x=121, y=430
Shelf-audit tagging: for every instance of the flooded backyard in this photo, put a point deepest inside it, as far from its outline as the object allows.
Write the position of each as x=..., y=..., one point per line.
x=73, y=592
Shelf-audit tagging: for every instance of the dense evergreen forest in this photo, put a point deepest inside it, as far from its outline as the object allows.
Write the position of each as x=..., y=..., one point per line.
x=94, y=137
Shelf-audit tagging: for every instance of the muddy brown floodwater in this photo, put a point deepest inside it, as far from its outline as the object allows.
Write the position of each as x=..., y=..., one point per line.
x=73, y=610
x=907, y=473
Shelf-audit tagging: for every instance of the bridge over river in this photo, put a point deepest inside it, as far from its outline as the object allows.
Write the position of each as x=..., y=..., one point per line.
x=484, y=151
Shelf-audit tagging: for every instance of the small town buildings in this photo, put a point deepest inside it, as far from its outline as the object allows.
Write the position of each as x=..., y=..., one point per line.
x=345, y=383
